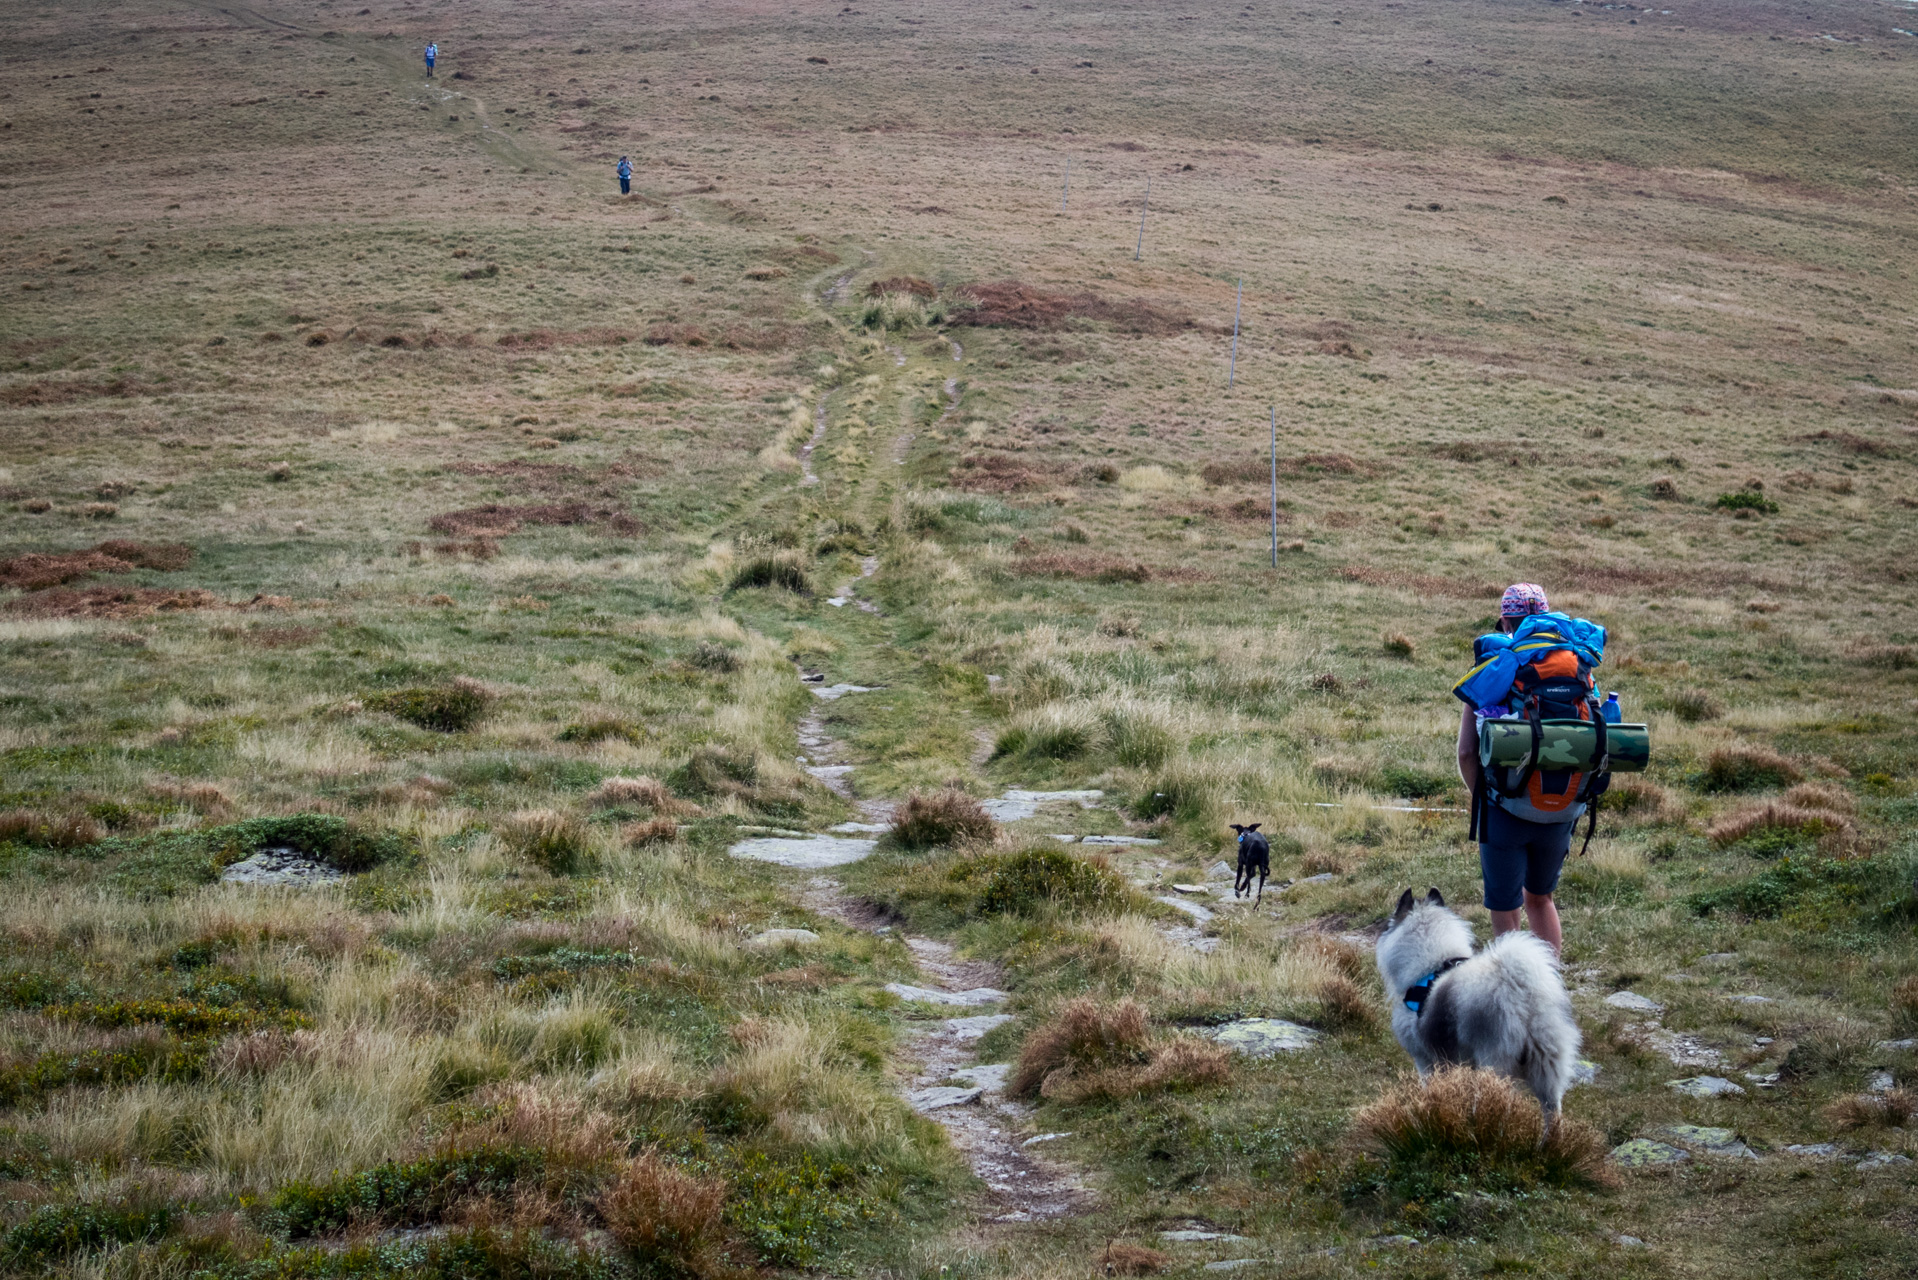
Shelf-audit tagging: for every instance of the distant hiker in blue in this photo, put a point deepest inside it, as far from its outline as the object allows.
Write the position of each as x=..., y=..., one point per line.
x=432, y=56
x=625, y=172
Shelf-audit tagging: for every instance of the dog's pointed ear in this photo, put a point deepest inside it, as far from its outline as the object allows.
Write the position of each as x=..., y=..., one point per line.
x=1434, y=897
x=1236, y=827
x=1404, y=908
x=1253, y=827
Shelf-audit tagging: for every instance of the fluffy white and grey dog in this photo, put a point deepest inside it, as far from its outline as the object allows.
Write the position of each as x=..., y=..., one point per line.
x=1503, y=1008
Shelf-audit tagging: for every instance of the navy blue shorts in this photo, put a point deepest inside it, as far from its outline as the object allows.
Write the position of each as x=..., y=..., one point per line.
x=1517, y=854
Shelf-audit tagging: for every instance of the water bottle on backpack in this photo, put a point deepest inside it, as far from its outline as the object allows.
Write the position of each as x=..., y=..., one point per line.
x=1610, y=710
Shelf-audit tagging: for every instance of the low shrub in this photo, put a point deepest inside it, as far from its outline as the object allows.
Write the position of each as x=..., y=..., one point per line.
x=1433, y=1142
x=56, y=1231
x=553, y=841
x=1030, y=880
x=1765, y=824
x=1820, y=889
x=405, y=1193
x=1747, y=500
x=1745, y=768
x=339, y=842
x=453, y=708
x=669, y=1221
x=1398, y=645
x=711, y=656
x=782, y=569
x=1409, y=782
x=943, y=817
x=1904, y=1000
x=1091, y=1051
x=655, y=831
x=790, y=1208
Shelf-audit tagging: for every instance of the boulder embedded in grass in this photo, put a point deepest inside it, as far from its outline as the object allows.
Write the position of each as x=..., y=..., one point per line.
x=943, y=817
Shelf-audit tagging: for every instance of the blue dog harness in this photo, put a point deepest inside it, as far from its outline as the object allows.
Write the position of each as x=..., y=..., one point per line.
x=1419, y=992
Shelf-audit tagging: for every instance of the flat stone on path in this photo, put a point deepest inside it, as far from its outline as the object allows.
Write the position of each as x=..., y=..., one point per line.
x=832, y=693
x=1119, y=840
x=1016, y=805
x=990, y=1076
x=1193, y=1237
x=1193, y=888
x=869, y=828
x=1711, y=1141
x=942, y=1096
x=1882, y=1160
x=1704, y=1086
x=1633, y=1001
x=1038, y=1138
x=974, y=1027
x=281, y=866
x=1815, y=1150
x=804, y=851
x=1192, y=909
x=1263, y=1037
x=926, y=995
x=1643, y=1153
x=783, y=938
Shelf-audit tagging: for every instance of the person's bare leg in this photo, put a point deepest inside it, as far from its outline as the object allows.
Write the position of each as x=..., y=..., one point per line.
x=1542, y=914
x=1506, y=921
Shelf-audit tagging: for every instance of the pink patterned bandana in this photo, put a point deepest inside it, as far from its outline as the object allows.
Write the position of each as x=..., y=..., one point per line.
x=1522, y=600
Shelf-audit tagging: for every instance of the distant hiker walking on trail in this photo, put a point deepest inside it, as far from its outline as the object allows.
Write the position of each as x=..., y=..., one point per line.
x=432, y=56
x=1536, y=667
x=625, y=172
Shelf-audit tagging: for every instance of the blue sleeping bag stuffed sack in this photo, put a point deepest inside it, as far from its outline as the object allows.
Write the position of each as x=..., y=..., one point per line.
x=1499, y=656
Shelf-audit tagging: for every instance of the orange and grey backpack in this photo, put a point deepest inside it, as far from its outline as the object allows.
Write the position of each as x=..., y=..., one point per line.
x=1542, y=671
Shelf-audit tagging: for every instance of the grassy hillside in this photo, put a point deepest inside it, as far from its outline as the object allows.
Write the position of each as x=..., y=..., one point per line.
x=377, y=483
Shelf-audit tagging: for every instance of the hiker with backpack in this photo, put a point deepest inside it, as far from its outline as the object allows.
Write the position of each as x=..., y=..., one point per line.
x=1536, y=748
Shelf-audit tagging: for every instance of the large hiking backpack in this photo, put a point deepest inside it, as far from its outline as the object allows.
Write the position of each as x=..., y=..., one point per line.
x=1541, y=672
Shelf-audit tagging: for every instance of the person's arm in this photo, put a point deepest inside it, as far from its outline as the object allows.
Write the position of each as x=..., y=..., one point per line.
x=1468, y=749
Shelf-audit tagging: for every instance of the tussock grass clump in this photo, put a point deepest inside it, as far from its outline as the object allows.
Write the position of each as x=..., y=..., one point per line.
x=1140, y=735
x=943, y=817
x=1822, y=795
x=1056, y=731
x=652, y=831
x=709, y=655
x=1892, y=1109
x=588, y=732
x=1904, y=1000
x=1773, y=818
x=641, y=792
x=1746, y=502
x=452, y=708
x=1464, y=1130
x=553, y=841
x=668, y=1220
x=1398, y=645
x=785, y=570
x=1693, y=706
x=48, y=831
x=1642, y=801
x=1024, y=882
x=1091, y=1050
x=1745, y=768
x=714, y=770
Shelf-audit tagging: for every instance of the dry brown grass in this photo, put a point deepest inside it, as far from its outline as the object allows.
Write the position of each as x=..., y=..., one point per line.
x=942, y=817
x=1904, y=999
x=1890, y=1109
x=1482, y=1124
x=110, y=602
x=667, y=1219
x=1775, y=815
x=1122, y=1259
x=652, y=831
x=1748, y=768
x=1822, y=795
x=50, y=831
x=1642, y=800
x=1010, y=304
x=641, y=792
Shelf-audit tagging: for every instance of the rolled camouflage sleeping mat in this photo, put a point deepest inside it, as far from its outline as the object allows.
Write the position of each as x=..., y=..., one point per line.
x=1563, y=744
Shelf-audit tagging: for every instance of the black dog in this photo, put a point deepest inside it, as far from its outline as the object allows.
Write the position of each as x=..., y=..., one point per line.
x=1254, y=855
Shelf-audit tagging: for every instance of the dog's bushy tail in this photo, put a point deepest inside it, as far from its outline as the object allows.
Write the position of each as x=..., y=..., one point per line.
x=1540, y=1038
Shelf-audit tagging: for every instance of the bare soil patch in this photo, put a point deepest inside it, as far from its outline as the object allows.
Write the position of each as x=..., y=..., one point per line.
x=36, y=571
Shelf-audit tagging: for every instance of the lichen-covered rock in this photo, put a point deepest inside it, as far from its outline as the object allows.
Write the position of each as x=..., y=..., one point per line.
x=1643, y=1153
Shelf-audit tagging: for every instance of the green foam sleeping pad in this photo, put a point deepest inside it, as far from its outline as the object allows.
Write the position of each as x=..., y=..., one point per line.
x=1563, y=744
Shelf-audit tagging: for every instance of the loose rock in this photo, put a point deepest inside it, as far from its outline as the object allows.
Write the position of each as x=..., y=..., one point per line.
x=1643, y=1153
x=926, y=995
x=1633, y=1001
x=1704, y=1087
x=281, y=866
x=1263, y=1037
x=804, y=851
